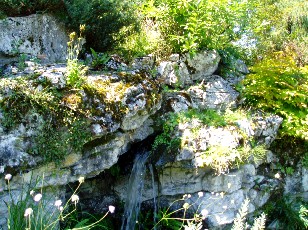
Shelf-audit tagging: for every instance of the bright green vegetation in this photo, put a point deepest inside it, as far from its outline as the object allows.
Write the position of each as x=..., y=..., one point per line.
x=277, y=84
x=63, y=126
x=221, y=158
x=291, y=213
x=139, y=27
x=171, y=144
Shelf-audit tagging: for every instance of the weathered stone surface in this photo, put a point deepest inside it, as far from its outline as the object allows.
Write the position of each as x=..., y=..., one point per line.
x=38, y=35
x=176, y=102
x=174, y=74
x=135, y=100
x=175, y=179
x=203, y=64
x=214, y=93
x=266, y=127
x=144, y=63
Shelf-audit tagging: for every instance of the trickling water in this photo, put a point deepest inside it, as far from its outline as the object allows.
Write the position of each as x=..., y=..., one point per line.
x=154, y=194
x=134, y=192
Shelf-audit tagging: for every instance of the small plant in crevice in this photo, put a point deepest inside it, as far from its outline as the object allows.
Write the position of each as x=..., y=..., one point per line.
x=99, y=60
x=33, y=208
x=182, y=213
x=240, y=222
x=75, y=72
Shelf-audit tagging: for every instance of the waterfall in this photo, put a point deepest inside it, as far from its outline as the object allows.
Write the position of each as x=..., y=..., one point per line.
x=154, y=194
x=134, y=192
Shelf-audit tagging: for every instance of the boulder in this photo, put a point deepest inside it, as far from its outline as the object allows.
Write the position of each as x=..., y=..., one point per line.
x=213, y=93
x=202, y=64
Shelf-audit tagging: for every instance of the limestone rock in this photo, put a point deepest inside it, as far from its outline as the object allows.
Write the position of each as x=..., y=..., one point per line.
x=144, y=63
x=215, y=93
x=38, y=35
x=266, y=127
x=174, y=74
x=176, y=102
x=203, y=64
x=175, y=179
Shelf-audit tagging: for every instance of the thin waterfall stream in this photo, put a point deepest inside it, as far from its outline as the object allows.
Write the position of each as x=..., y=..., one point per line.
x=154, y=195
x=134, y=192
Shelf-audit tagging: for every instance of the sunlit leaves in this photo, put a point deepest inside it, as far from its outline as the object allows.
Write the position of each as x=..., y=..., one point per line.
x=277, y=85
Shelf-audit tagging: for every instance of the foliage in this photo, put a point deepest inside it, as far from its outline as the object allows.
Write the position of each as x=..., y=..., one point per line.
x=286, y=29
x=188, y=26
x=277, y=85
x=220, y=158
x=75, y=71
x=290, y=213
x=177, y=218
x=63, y=129
x=99, y=59
x=170, y=143
x=240, y=219
x=35, y=208
x=102, y=19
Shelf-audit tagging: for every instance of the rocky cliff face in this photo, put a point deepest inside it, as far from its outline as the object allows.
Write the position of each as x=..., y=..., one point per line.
x=207, y=144
x=39, y=36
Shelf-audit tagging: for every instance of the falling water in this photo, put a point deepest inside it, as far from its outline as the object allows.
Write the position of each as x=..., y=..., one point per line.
x=154, y=194
x=134, y=192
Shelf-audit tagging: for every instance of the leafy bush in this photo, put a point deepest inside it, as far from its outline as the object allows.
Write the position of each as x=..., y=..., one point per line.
x=102, y=19
x=277, y=85
x=188, y=26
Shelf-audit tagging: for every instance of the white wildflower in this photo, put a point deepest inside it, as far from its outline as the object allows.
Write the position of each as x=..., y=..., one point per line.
x=200, y=194
x=111, y=209
x=37, y=197
x=8, y=176
x=31, y=193
x=189, y=196
x=185, y=205
x=204, y=213
x=81, y=179
x=277, y=176
x=61, y=208
x=28, y=212
x=224, y=207
x=75, y=198
x=58, y=203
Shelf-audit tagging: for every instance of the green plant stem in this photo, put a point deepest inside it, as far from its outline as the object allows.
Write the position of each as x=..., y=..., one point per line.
x=91, y=225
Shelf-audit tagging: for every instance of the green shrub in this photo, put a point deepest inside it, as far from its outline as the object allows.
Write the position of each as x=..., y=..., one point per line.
x=277, y=85
x=188, y=26
x=102, y=19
